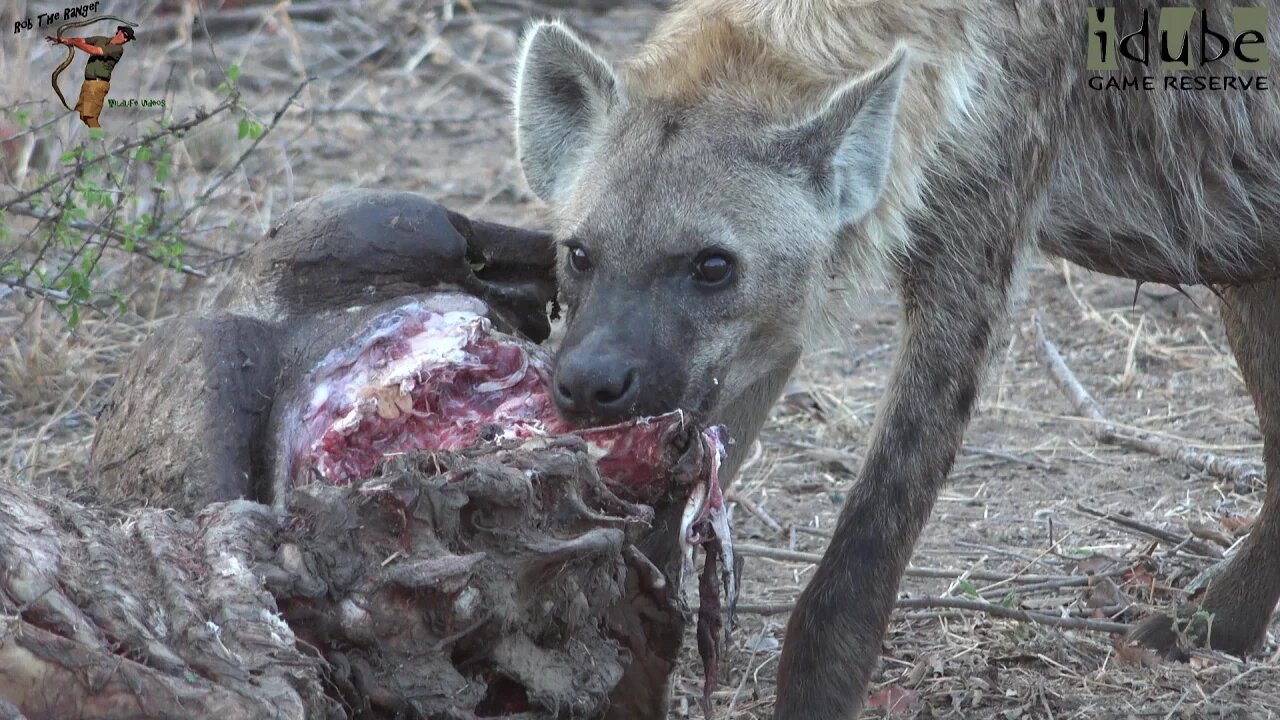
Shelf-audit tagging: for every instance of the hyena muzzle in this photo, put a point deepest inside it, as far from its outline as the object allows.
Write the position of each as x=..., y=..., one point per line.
x=715, y=196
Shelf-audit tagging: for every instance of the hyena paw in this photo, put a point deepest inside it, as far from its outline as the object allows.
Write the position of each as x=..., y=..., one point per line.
x=1176, y=634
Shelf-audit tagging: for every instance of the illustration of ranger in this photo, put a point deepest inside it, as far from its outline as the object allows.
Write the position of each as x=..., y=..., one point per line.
x=104, y=52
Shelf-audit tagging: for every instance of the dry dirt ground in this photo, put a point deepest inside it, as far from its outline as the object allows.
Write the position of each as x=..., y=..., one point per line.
x=404, y=99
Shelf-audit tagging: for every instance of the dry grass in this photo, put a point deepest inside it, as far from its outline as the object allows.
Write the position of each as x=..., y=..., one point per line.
x=408, y=96
x=1013, y=509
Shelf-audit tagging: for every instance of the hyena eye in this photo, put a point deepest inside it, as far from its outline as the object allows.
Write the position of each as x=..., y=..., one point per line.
x=713, y=268
x=579, y=260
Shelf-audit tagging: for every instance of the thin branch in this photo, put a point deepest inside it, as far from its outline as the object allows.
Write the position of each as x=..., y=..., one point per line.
x=200, y=116
x=750, y=506
x=58, y=295
x=409, y=118
x=492, y=86
x=748, y=550
x=240, y=19
x=142, y=247
x=1168, y=536
x=821, y=454
x=1244, y=474
x=982, y=606
x=204, y=197
x=1066, y=581
x=1005, y=455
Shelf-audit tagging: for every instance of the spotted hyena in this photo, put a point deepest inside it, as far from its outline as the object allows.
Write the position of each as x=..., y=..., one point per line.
x=716, y=194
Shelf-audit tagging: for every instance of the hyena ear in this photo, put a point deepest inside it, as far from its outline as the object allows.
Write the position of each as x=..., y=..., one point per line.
x=562, y=90
x=846, y=146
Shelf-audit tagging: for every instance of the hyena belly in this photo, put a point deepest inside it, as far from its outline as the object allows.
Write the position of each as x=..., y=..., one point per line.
x=1205, y=213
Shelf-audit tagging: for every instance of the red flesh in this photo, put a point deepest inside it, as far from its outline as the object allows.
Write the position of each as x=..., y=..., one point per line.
x=434, y=375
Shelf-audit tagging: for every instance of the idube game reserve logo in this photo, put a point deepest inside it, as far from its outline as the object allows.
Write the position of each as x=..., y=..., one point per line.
x=1186, y=50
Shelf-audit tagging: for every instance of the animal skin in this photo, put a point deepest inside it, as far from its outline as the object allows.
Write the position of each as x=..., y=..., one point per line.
x=329, y=267
x=368, y=324
x=813, y=147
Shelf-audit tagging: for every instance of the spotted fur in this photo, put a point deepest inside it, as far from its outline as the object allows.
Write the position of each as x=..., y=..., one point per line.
x=829, y=143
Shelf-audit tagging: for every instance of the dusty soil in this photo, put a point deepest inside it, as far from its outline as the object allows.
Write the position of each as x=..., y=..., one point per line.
x=1156, y=360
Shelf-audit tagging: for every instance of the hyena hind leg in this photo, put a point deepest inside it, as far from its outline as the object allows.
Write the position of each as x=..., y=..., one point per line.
x=1238, y=603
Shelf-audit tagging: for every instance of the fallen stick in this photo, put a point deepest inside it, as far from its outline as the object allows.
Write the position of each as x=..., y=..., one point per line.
x=492, y=86
x=1168, y=536
x=1066, y=581
x=1244, y=474
x=411, y=118
x=1006, y=456
x=810, y=531
x=823, y=454
x=764, y=608
x=754, y=509
x=982, y=606
x=918, y=572
x=1069, y=623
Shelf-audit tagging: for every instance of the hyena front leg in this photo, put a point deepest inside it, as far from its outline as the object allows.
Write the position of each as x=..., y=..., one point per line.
x=954, y=298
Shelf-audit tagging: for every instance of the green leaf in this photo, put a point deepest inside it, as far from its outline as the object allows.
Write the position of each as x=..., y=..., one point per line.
x=97, y=133
x=143, y=154
x=69, y=155
x=244, y=128
x=233, y=72
x=255, y=130
x=967, y=588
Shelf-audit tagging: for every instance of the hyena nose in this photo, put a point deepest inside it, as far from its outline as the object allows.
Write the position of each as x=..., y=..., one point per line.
x=596, y=387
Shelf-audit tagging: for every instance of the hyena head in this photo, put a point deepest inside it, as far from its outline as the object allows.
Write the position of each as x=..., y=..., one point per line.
x=691, y=230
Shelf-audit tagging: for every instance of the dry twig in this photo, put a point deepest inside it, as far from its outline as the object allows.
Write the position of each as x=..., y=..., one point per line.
x=1168, y=536
x=1244, y=474
x=982, y=606
x=750, y=506
x=748, y=550
x=411, y=118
